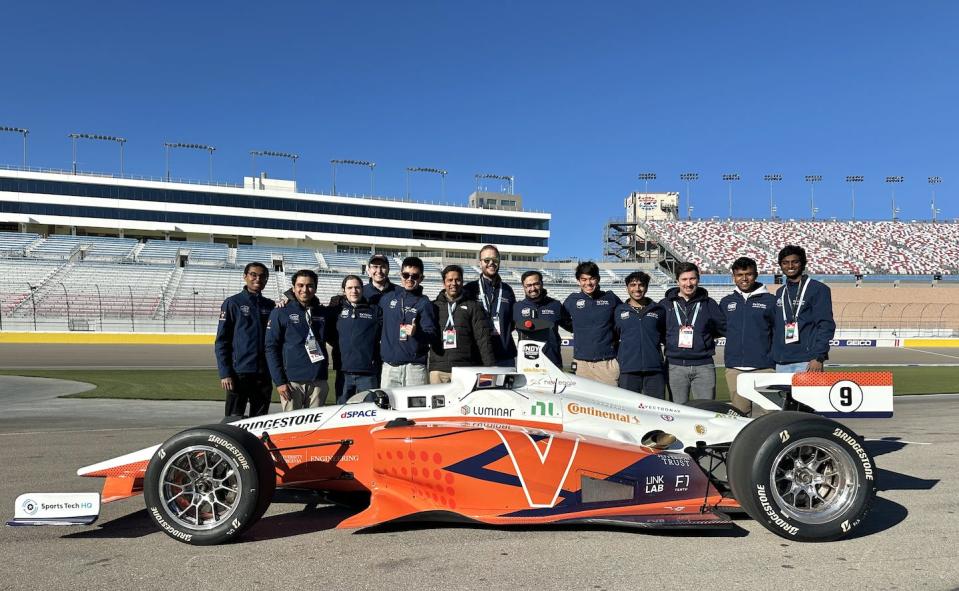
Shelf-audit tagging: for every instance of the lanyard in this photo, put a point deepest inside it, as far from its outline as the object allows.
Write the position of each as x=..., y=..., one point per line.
x=788, y=301
x=695, y=314
x=309, y=324
x=487, y=304
x=449, y=320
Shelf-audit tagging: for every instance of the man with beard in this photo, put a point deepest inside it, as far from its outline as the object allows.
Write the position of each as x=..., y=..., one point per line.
x=464, y=330
x=641, y=327
x=239, y=345
x=537, y=304
x=693, y=321
x=497, y=299
x=750, y=315
x=804, y=321
x=296, y=346
x=591, y=321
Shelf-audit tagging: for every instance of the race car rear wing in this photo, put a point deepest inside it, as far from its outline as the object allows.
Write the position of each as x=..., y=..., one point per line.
x=852, y=395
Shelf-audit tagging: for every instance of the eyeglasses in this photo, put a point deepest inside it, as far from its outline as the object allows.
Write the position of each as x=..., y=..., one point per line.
x=411, y=276
x=533, y=284
x=490, y=261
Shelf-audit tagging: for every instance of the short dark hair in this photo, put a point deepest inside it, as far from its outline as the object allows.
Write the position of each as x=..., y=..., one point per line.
x=744, y=264
x=637, y=276
x=413, y=262
x=587, y=268
x=305, y=273
x=249, y=266
x=529, y=274
x=487, y=247
x=686, y=268
x=451, y=269
x=348, y=277
x=792, y=249
x=379, y=259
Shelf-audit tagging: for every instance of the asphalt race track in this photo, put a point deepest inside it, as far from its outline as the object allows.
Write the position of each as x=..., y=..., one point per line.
x=908, y=541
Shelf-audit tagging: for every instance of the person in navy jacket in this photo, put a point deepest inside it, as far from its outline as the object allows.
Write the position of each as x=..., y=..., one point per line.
x=804, y=320
x=498, y=299
x=355, y=329
x=641, y=328
x=591, y=313
x=537, y=304
x=409, y=327
x=296, y=339
x=693, y=321
x=239, y=345
x=750, y=315
x=378, y=269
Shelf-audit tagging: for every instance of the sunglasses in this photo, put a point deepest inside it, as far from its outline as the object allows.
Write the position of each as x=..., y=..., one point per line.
x=411, y=276
x=490, y=261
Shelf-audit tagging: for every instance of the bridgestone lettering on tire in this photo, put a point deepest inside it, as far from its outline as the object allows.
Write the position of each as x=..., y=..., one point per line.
x=802, y=476
x=209, y=484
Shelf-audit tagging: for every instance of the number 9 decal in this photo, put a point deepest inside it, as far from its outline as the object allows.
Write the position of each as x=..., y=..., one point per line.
x=845, y=396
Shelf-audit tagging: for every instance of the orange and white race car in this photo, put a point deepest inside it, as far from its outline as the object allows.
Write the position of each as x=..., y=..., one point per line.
x=503, y=446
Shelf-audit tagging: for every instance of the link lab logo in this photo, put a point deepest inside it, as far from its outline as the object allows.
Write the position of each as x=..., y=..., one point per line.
x=30, y=507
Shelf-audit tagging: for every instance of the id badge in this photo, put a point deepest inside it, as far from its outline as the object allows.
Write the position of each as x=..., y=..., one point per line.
x=496, y=325
x=685, y=337
x=405, y=330
x=792, y=332
x=313, y=350
x=449, y=338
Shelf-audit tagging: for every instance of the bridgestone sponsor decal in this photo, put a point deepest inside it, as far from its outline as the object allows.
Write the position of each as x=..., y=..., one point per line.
x=857, y=448
x=240, y=456
x=169, y=528
x=281, y=422
x=764, y=501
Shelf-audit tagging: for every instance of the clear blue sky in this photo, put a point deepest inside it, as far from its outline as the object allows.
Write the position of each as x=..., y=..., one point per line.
x=573, y=98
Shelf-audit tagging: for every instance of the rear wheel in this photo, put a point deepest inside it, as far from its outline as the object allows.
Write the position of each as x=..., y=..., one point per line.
x=802, y=476
x=208, y=484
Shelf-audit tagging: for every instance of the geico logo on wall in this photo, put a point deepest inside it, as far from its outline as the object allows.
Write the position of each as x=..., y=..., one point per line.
x=852, y=343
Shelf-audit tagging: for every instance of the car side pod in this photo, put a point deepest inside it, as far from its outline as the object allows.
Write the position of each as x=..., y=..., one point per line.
x=56, y=509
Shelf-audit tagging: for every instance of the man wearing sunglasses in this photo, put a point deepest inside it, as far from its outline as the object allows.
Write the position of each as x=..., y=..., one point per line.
x=409, y=326
x=498, y=300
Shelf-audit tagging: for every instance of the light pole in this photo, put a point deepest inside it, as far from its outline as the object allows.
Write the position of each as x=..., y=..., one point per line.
x=366, y=163
x=934, y=180
x=24, y=133
x=688, y=177
x=498, y=177
x=812, y=179
x=852, y=180
x=292, y=157
x=772, y=178
x=95, y=136
x=170, y=145
x=730, y=178
x=439, y=171
x=646, y=177
x=893, y=181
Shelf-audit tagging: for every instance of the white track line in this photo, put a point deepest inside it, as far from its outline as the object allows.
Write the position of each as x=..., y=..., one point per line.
x=93, y=430
x=935, y=353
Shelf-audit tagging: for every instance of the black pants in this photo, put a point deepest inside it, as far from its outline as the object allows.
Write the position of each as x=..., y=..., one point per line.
x=650, y=383
x=255, y=389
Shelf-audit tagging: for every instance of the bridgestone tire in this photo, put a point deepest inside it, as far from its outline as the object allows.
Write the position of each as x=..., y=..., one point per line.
x=724, y=408
x=802, y=476
x=208, y=484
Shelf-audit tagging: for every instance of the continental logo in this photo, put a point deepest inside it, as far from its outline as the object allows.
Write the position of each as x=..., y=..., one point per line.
x=169, y=528
x=768, y=509
x=857, y=449
x=240, y=456
x=581, y=409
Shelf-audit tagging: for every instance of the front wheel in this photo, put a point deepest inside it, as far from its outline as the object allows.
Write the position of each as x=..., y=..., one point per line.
x=208, y=484
x=802, y=476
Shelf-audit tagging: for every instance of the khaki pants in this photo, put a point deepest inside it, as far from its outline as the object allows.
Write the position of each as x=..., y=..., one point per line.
x=606, y=372
x=305, y=395
x=738, y=401
x=410, y=374
x=440, y=377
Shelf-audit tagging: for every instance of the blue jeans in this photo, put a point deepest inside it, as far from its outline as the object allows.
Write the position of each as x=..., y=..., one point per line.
x=353, y=383
x=791, y=367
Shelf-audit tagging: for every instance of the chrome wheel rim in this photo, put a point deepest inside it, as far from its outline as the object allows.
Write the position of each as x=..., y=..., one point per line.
x=814, y=480
x=200, y=487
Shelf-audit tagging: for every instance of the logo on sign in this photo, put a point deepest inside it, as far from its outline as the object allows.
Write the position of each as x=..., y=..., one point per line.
x=30, y=507
x=531, y=351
